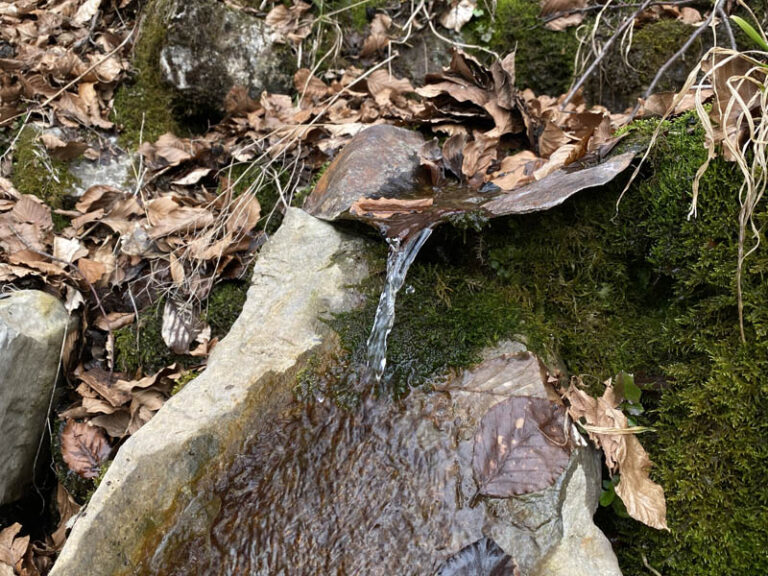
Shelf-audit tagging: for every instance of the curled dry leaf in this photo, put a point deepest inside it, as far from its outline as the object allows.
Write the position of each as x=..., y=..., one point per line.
x=67, y=508
x=180, y=326
x=520, y=447
x=12, y=549
x=84, y=448
x=386, y=207
x=624, y=454
x=459, y=13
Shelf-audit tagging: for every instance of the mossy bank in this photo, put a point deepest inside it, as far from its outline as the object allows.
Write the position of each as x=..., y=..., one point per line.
x=643, y=290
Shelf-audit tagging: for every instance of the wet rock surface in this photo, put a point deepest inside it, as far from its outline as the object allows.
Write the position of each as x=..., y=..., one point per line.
x=379, y=162
x=32, y=327
x=294, y=290
x=387, y=489
x=385, y=163
x=210, y=48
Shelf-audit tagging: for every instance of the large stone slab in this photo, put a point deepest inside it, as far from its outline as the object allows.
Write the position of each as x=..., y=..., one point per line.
x=32, y=328
x=303, y=275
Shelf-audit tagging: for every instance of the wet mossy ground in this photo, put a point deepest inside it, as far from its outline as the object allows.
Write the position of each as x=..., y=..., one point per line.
x=646, y=291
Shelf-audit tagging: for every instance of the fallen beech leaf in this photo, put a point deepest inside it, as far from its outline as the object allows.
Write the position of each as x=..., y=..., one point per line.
x=180, y=326
x=12, y=549
x=481, y=558
x=32, y=210
x=689, y=15
x=643, y=498
x=193, y=177
x=244, y=214
x=378, y=39
x=386, y=207
x=84, y=448
x=99, y=381
x=67, y=508
x=86, y=11
x=459, y=13
x=61, y=150
x=92, y=270
x=114, y=320
x=67, y=249
x=517, y=170
x=520, y=447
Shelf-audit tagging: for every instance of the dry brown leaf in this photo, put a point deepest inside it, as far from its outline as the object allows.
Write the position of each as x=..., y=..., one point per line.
x=624, y=454
x=32, y=210
x=192, y=177
x=86, y=11
x=12, y=549
x=68, y=249
x=387, y=207
x=516, y=170
x=99, y=381
x=61, y=150
x=67, y=508
x=92, y=271
x=180, y=326
x=458, y=14
x=690, y=16
x=84, y=448
x=378, y=39
x=244, y=214
x=114, y=320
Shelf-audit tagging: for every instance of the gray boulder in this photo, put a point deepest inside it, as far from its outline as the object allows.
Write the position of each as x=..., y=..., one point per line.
x=32, y=327
x=209, y=48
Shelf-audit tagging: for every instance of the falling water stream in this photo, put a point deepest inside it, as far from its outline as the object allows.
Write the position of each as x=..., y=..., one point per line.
x=402, y=253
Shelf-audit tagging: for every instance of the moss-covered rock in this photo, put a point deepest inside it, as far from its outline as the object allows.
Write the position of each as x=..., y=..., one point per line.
x=620, y=81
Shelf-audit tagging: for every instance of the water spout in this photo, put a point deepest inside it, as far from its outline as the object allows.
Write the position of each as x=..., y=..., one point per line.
x=402, y=253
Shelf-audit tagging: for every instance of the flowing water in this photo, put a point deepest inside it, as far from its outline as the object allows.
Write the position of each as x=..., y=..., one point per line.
x=402, y=253
x=323, y=490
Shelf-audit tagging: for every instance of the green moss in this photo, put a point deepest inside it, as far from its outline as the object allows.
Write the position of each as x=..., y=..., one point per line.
x=183, y=381
x=140, y=347
x=545, y=59
x=651, y=292
x=224, y=306
x=446, y=314
x=144, y=106
x=147, y=353
x=36, y=173
x=245, y=176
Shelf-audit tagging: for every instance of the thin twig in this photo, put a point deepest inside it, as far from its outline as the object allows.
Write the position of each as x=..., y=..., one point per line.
x=726, y=24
